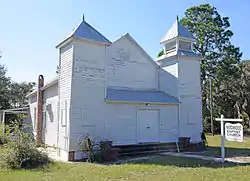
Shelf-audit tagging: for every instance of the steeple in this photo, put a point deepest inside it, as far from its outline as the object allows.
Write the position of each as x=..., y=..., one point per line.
x=177, y=30
x=178, y=41
x=86, y=31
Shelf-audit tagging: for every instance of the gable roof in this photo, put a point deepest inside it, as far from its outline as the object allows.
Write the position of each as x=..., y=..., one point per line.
x=117, y=95
x=86, y=31
x=177, y=30
x=129, y=37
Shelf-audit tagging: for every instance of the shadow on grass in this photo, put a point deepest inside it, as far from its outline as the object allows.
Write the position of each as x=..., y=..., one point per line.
x=184, y=162
x=229, y=151
x=211, y=151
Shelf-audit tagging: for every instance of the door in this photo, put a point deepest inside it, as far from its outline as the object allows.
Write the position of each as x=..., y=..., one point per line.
x=147, y=125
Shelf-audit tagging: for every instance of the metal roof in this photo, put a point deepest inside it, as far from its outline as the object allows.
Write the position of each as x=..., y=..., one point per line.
x=86, y=31
x=188, y=54
x=177, y=30
x=140, y=96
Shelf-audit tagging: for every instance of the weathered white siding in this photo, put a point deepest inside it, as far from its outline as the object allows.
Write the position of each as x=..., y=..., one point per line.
x=121, y=124
x=129, y=67
x=168, y=77
x=190, y=95
x=91, y=115
x=51, y=117
x=189, y=78
x=50, y=121
x=169, y=123
x=64, y=92
x=87, y=111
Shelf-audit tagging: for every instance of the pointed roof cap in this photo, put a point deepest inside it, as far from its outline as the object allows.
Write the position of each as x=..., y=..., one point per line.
x=86, y=31
x=177, y=30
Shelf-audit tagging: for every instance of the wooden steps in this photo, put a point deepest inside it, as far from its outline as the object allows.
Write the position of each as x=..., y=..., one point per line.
x=145, y=149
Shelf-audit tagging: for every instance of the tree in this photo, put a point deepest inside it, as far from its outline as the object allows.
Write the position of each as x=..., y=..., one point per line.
x=18, y=93
x=5, y=84
x=220, y=57
x=12, y=94
x=160, y=53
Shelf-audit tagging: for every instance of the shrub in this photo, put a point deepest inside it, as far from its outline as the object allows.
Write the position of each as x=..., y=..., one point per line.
x=95, y=150
x=90, y=149
x=21, y=150
x=2, y=140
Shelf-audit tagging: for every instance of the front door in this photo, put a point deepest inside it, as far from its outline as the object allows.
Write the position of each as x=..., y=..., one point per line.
x=147, y=125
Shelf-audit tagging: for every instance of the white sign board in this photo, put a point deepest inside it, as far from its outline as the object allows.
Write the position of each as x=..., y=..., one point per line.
x=234, y=132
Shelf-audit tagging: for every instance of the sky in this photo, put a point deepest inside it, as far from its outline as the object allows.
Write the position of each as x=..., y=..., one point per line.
x=30, y=29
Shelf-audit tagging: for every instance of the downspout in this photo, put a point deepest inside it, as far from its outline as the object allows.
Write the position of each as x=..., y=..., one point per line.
x=39, y=111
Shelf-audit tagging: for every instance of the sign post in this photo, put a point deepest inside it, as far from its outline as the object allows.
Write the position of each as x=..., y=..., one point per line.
x=222, y=139
x=234, y=132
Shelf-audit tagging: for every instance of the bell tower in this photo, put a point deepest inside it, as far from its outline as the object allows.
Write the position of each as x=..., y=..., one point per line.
x=177, y=39
x=180, y=61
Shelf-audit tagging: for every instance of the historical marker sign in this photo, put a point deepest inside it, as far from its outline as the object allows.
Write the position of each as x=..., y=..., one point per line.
x=234, y=132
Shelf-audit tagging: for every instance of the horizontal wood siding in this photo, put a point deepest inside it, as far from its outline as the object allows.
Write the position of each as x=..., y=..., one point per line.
x=51, y=121
x=190, y=95
x=168, y=123
x=168, y=78
x=65, y=72
x=128, y=67
x=65, y=79
x=88, y=90
x=91, y=115
x=121, y=123
x=189, y=78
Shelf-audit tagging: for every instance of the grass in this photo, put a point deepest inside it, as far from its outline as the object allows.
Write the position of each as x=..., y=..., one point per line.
x=231, y=148
x=155, y=168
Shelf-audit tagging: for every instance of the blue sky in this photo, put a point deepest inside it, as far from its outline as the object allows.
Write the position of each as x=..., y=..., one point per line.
x=30, y=29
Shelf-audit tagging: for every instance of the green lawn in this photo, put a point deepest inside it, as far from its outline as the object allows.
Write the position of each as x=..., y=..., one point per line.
x=231, y=148
x=156, y=168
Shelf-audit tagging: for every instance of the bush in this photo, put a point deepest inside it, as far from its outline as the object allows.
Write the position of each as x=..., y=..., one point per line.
x=25, y=157
x=90, y=149
x=21, y=151
x=2, y=141
x=95, y=150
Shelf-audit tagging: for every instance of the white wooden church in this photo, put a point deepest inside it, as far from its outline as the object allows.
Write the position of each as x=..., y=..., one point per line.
x=116, y=91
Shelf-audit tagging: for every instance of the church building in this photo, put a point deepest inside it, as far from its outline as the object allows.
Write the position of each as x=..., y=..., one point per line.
x=115, y=91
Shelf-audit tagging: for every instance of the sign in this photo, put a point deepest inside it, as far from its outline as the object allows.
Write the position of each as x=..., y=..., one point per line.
x=234, y=132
